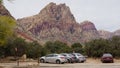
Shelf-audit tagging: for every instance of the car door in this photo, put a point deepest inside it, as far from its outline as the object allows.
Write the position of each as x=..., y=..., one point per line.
x=48, y=58
x=54, y=58
x=51, y=58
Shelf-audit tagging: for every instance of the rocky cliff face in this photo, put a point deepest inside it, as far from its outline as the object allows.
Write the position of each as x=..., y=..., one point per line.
x=105, y=34
x=4, y=11
x=89, y=31
x=117, y=32
x=56, y=22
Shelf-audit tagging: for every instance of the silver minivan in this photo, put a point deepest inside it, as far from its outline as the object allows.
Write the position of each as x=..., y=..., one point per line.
x=53, y=58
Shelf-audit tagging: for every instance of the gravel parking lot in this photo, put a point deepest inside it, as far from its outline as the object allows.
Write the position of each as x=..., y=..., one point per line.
x=90, y=63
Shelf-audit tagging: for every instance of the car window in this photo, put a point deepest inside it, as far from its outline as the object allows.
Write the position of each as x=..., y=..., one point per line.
x=73, y=54
x=63, y=54
x=107, y=55
x=70, y=55
x=55, y=55
x=50, y=55
x=79, y=55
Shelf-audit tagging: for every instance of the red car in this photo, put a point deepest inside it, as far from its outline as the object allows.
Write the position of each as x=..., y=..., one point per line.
x=107, y=57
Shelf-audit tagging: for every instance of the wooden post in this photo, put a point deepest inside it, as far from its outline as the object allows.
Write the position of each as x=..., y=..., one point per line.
x=38, y=61
x=17, y=62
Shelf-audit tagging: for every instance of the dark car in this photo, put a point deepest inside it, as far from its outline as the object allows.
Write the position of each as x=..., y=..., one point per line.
x=69, y=57
x=107, y=57
x=79, y=57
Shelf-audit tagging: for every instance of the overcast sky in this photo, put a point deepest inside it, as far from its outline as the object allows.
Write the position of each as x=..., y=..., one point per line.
x=105, y=14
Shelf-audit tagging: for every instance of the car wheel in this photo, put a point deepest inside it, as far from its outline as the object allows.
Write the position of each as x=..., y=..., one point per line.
x=42, y=61
x=79, y=61
x=103, y=62
x=82, y=61
x=58, y=62
x=68, y=61
x=112, y=61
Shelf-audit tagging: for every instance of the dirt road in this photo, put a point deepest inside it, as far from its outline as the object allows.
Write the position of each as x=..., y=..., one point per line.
x=90, y=63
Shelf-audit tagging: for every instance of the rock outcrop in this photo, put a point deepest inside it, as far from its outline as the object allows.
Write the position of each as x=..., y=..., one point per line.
x=117, y=32
x=105, y=34
x=56, y=22
x=89, y=31
x=4, y=11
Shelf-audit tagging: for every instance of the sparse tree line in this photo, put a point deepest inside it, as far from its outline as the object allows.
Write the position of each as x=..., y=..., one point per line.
x=95, y=48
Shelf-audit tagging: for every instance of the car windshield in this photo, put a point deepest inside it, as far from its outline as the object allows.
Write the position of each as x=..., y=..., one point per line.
x=50, y=55
x=79, y=54
x=70, y=55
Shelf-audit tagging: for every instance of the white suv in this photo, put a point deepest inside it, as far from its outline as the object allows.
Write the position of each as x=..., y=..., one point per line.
x=53, y=58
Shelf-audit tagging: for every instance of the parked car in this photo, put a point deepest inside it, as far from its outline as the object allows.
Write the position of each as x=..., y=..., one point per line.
x=53, y=58
x=107, y=57
x=79, y=57
x=69, y=57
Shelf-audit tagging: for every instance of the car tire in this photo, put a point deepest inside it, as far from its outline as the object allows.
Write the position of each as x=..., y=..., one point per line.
x=58, y=62
x=103, y=62
x=79, y=61
x=82, y=61
x=68, y=61
x=42, y=61
x=112, y=61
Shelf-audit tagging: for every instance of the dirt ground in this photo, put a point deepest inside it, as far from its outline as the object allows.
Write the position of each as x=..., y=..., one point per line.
x=97, y=60
x=90, y=63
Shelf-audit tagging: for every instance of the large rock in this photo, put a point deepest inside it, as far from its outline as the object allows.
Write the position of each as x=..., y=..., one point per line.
x=89, y=31
x=117, y=32
x=4, y=11
x=56, y=22
x=105, y=34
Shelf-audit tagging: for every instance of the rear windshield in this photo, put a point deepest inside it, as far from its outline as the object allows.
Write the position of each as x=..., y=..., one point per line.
x=107, y=55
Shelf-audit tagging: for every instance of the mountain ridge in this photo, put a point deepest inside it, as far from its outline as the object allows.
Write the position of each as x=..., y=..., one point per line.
x=56, y=22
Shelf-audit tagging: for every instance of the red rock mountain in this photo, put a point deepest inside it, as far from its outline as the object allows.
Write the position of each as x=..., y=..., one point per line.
x=56, y=22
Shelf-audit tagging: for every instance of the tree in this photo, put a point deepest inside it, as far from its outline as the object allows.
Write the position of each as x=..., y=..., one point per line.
x=49, y=47
x=61, y=47
x=33, y=50
x=96, y=48
x=7, y=25
x=15, y=47
x=115, y=46
x=56, y=47
x=1, y=1
x=77, y=47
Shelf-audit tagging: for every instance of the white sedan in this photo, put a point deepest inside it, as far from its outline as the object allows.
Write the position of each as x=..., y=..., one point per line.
x=53, y=58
